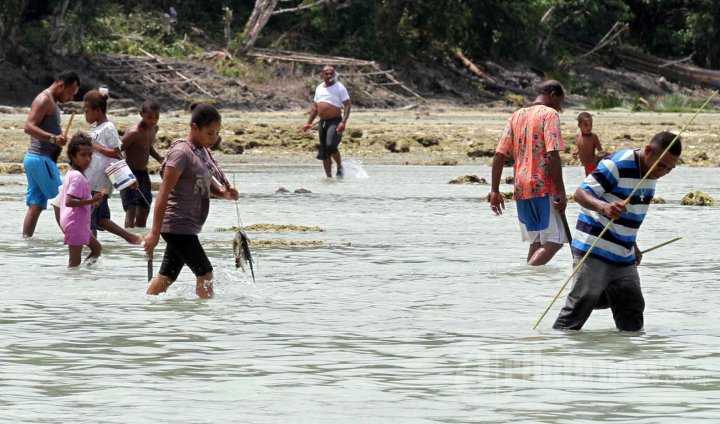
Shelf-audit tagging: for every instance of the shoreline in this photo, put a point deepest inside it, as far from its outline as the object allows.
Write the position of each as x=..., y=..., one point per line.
x=425, y=136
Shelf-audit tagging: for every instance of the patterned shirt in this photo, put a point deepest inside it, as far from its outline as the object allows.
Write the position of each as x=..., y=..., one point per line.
x=612, y=181
x=530, y=134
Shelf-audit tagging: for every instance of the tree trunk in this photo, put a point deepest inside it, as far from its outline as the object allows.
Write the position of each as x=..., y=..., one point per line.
x=10, y=20
x=258, y=19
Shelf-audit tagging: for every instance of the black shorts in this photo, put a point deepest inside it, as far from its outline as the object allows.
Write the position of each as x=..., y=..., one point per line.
x=329, y=137
x=99, y=212
x=132, y=197
x=181, y=250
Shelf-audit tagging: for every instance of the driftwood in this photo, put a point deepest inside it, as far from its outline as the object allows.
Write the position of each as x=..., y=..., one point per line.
x=472, y=67
x=615, y=32
x=366, y=69
x=686, y=74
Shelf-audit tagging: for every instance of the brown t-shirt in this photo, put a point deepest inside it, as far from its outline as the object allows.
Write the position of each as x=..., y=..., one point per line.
x=189, y=200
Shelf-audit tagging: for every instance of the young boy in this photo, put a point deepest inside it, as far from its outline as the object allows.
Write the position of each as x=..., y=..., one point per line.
x=587, y=143
x=138, y=146
x=106, y=151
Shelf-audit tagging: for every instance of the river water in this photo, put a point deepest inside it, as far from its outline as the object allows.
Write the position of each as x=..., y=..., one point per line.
x=417, y=309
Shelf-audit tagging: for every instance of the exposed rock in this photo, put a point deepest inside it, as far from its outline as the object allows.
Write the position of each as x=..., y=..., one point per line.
x=697, y=198
x=468, y=179
x=356, y=133
x=239, y=131
x=7, y=110
x=701, y=156
x=510, y=180
x=11, y=168
x=397, y=146
x=658, y=201
x=282, y=190
x=302, y=191
x=253, y=145
x=427, y=141
x=481, y=153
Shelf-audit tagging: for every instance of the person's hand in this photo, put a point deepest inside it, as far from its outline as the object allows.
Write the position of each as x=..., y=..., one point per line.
x=613, y=210
x=231, y=194
x=60, y=140
x=497, y=202
x=340, y=128
x=150, y=240
x=97, y=198
x=560, y=203
x=306, y=127
x=638, y=255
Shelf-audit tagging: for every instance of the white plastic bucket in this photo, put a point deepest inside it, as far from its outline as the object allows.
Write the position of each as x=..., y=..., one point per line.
x=120, y=175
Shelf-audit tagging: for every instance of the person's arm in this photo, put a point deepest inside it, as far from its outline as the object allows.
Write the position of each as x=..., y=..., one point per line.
x=38, y=110
x=497, y=202
x=347, y=106
x=156, y=155
x=555, y=168
x=311, y=118
x=598, y=147
x=74, y=202
x=171, y=175
x=107, y=151
x=554, y=144
x=502, y=153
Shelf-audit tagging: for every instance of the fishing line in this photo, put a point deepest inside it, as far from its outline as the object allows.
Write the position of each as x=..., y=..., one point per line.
x=625, y=202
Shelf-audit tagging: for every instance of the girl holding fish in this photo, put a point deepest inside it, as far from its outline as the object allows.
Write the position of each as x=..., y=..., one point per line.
x=190, y=176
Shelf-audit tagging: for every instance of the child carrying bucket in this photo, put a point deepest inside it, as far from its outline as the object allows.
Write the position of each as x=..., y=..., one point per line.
x=183, y=203
x=106, y=151
x=76, y=201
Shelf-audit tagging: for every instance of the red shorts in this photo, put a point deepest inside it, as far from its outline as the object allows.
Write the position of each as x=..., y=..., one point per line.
x=589, y=168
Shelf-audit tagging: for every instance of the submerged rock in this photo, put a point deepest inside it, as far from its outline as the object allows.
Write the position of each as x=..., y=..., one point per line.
x=697, y=198
x=276, y=228
x=468, y=179
x=507, y=195
x=302, y=191
x=427, y=141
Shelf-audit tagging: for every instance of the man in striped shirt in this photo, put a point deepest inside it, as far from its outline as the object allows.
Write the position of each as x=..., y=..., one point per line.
x=609, y=274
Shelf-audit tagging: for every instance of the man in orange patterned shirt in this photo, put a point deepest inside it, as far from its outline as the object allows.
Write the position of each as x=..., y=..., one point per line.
x=532, y=138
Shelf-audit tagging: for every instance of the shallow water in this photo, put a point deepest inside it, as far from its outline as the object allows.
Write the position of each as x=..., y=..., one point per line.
x=425, y=317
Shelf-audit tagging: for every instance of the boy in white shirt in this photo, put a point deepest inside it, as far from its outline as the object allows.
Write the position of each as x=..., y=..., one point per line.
x=106, y=151
x=332, y=104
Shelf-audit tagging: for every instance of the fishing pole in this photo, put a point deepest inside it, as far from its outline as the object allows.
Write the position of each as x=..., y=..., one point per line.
x=625, y=202
x=69, y=125
x=660, y=245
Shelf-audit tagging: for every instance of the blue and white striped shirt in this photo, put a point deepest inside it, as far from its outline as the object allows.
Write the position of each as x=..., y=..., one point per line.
x=612, y=181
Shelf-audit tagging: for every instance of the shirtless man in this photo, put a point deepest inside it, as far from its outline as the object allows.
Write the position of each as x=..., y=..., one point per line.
x=587, y=143
x=138, y=147
x=332, y=104
x=46, y=141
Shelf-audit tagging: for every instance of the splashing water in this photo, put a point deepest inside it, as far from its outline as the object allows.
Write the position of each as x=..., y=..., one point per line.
x=354, y=169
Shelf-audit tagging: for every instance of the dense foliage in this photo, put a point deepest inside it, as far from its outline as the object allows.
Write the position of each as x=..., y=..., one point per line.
x=388, y=30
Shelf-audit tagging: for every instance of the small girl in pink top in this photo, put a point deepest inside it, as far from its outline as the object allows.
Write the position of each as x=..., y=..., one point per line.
x=76, y=202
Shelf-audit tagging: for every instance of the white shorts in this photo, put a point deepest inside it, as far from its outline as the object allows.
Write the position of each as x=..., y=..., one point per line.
x=554, y=232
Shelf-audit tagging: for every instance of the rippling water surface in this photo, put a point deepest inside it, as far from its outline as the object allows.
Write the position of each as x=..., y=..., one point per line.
x=418, y=308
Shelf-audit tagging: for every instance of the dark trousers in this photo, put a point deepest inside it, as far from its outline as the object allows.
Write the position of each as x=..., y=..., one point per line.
x=595, y=280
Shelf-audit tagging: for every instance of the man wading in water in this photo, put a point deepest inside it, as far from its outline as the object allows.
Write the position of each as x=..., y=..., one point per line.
x=46, y=141
x=330, y=97
x=532, y=137
x=609, y=276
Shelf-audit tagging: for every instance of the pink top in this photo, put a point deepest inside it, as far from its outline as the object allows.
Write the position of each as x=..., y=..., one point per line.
x=75, y=222
x=531, y=133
